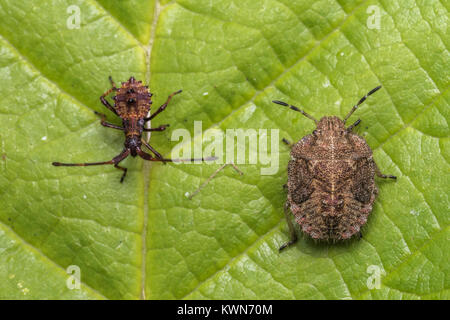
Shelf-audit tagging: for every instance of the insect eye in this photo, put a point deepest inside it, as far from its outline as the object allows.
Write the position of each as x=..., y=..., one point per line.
x=130, y=91
x=131, y=100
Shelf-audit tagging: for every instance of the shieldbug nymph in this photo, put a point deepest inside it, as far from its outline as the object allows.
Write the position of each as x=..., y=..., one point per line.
x=132, y=105
x=331, y=185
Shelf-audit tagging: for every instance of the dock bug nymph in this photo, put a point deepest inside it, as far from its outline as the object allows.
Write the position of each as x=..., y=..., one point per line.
x=132, y=104
x=331, y=185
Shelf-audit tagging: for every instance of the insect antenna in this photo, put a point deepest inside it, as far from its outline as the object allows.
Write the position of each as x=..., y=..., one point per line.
x=361, y=101
x=295, y=109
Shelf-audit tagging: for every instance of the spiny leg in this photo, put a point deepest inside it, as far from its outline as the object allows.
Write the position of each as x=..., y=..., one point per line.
x=119, y=158
x=114, y=87
x=106, y=124
x=361, y=101
x=114, y=162
x=107, y=104
x=350, y=128
x=292, y=233
x=162, y=107
x=104, y=101
x=160, y=128
x=281, y=103
x=212, y=177
x=124, y=172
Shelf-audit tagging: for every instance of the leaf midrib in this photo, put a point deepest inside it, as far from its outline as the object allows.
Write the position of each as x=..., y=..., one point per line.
x=147, y=165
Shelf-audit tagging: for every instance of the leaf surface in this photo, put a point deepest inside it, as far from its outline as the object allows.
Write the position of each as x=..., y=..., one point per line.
x=144, y=238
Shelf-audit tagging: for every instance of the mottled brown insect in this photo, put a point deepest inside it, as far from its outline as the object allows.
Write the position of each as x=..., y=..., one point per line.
x=331, y=187
x=132, y=104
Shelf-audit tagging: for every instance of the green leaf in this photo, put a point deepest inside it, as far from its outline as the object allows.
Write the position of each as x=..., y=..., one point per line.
x=144, y=238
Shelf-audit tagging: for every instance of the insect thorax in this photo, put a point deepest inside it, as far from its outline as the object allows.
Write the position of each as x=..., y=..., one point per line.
x=330, y=141
x=133, y=100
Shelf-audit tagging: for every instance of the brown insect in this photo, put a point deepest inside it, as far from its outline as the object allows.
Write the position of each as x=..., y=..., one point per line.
x=331, y=187
x=132, y=104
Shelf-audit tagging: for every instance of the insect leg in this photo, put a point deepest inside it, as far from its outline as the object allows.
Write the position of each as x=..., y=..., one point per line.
x=292, y=233
x=114, y=161
x=119, y=158
x=104, y=101
x=381, y=175
x=287, y=142
x=60, y=164
x=107, y=104
x=156, y=153
x=107, y=124
x=361, y=101
x=160, y=128
x=124, y=172
x=161, y=109
x=112, y=83
x=350, y=128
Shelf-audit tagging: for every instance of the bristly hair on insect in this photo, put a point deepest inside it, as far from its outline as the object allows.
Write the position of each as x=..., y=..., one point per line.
x=132, y=104
x=331, y=187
